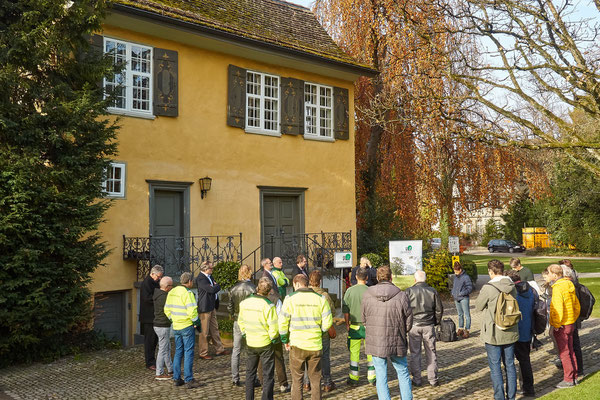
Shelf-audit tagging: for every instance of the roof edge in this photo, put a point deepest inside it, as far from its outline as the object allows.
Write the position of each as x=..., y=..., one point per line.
x=358, y=69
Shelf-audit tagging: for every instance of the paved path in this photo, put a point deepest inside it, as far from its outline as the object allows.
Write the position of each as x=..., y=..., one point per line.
x=120, y=374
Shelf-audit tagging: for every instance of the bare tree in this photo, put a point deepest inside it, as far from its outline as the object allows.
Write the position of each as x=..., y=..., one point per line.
x=537, y=65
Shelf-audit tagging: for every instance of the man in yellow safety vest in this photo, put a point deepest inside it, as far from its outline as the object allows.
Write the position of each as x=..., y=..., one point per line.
x=181, y=309
x=258, y=323
x=304, y=316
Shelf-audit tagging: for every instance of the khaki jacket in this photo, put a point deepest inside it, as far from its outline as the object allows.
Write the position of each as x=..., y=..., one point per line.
x=486, y=303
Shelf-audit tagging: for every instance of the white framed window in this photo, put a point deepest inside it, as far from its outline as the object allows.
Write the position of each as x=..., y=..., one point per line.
x=132, y=87
x=114, y=185
x=318, y=111
x=262, y=103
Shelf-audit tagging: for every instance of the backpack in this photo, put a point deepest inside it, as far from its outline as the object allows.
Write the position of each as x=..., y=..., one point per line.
x=540, y=315
x=507, y=313
x=446, y=331
x=586, y=301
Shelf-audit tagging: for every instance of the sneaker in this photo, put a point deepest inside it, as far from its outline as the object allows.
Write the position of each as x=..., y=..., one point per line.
x=170, y=374
x=416, y=384
x=236, y=383
x=434, y=384
x=223, y=353
x=179, y=382
x=329, y=387
x=285, y=388
x=352, y=382
x=459, y=332
x=193, y=384
x=306, y=387
x=163, y=377
x=257, y=383
x=565, y=384
x=465, y=334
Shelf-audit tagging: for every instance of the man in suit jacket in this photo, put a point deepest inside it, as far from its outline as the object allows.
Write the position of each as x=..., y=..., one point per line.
x=147, y=314
x=208, y=302
x=267, y=272
x=301, y=267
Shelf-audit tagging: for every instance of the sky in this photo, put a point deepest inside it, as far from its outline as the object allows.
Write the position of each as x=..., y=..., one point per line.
x=305, y=3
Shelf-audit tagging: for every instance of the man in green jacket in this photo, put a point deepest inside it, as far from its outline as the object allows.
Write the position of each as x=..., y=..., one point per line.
x=499, y=343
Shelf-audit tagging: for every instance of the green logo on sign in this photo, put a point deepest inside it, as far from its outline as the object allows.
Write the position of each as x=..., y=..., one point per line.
x=409, y=248
x=348, y=256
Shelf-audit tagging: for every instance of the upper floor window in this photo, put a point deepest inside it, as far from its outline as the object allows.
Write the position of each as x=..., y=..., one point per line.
x=318, y=111
x=132, y=87
x=262, y=103
x=114, y=185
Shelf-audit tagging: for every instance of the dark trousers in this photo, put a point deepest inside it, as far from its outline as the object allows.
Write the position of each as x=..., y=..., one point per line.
x=522, y=350
x=150, y=342
x=266, y=357
x=279, y=365
x=300, y=358
x=577, y=350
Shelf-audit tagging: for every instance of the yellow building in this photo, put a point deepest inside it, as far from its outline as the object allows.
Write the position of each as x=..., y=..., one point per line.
x=252, y=94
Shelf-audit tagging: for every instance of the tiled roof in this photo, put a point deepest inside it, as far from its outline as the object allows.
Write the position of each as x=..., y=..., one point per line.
x=269, y=22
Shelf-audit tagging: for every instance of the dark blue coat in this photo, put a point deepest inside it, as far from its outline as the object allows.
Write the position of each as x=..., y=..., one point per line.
x=526, y=300
x=462, y=286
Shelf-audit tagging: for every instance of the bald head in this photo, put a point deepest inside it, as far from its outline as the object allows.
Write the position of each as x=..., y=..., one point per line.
x=166, y=283
x=277, y=263
x=420, y=276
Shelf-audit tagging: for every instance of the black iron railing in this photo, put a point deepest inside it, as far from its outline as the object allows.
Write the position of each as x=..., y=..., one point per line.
x=180, y=254
x=318, y=248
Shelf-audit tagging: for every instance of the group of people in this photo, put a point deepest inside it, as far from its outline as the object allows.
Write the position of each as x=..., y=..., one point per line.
x=390, y=323
x=163, y=306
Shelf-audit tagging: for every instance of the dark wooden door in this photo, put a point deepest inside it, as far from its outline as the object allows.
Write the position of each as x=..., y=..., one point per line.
x=168, y=244
x=109, y=315
x=281, y=221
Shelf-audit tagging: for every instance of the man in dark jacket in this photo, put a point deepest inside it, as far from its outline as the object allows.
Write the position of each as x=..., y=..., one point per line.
x=301, y=267
x=461, y=289
x=427, y=312
x=387, y=317
x=208, y=302
x=371, y=272
x=147, y=314
x=242, y=289
x=162, y=328
x=526, y=300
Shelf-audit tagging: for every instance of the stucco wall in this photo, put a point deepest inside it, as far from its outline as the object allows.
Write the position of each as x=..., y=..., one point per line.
x=198, y=143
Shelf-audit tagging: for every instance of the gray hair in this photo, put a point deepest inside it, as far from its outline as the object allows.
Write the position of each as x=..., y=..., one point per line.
x=420, y=276
x=185, y=278
x=157, y=269
x=568, y=272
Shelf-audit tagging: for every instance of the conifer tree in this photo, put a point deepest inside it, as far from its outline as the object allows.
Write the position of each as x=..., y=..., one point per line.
x=55, y=143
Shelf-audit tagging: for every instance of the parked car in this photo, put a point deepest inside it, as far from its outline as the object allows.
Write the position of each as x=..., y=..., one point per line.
x=436, y=243
x=504, y=246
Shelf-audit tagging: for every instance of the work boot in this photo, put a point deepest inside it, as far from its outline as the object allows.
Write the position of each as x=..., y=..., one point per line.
x=194, y=384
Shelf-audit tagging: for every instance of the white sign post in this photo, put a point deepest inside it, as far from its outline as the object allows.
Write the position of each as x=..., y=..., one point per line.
x=453, y=244
x=406, y=256
x=341, y=260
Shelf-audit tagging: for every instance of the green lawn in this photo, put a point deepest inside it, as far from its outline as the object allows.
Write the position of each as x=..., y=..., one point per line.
x=588, y=389
x=536, y=264
x=405, y=281
x=594, y=285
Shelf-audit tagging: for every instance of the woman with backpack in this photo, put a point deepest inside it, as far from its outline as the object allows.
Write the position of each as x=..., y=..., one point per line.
x=461, y=289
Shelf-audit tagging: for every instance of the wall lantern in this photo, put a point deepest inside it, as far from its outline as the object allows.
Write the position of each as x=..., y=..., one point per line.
x=204, y=186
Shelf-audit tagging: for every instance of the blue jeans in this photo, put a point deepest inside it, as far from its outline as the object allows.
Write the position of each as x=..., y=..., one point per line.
x=184, y=348
x=503, y=353
x=462, y=307
x=401, y=367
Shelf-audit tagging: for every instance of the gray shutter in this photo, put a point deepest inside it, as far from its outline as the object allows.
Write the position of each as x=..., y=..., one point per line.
x=292, y=106
x=236, y=97
x=165, y=101
x=341, y=127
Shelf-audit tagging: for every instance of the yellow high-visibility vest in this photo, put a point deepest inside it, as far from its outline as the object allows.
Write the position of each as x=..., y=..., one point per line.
x=181, y=308
x=258, y=321
x=304, y=316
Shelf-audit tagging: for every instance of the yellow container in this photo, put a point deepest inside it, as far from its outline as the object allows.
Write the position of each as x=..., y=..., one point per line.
x=536, y=237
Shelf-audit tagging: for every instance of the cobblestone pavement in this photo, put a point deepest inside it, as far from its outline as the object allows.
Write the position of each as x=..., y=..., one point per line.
x=120, y=374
